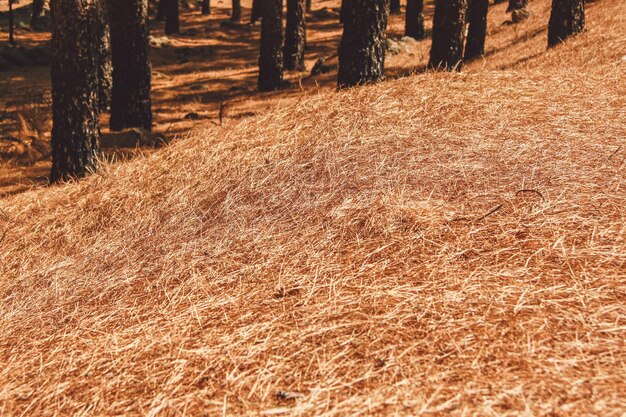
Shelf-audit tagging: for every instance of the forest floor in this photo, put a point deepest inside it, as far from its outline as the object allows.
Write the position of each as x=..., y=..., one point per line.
x=210, y=69
x=441, y=244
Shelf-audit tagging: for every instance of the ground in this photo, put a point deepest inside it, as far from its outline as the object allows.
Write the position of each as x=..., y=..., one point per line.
x=434, y=245
x=212, y=67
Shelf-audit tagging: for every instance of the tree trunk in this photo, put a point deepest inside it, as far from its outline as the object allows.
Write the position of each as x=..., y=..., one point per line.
x=271, y=54
x=11, y=24
x=295, y=35
x=308, y=6
x=74, y=74
x=206, y=7
x=37, y=13
x=516, y=5
x=363, y=44
x=414, y=24
x=343, y=10
x=130, y=98
x=236, y=15
x=172, y=24
x=448, y=35
x=160, y=14
x=394, y=7
x=566, y=19
x=477, y=19
x=105, y=63
x=257, y=11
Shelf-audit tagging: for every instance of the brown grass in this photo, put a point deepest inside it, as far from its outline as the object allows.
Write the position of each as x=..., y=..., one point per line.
x=442, y=244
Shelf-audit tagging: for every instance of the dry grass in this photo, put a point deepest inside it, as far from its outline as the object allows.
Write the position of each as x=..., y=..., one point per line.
x=444, y=244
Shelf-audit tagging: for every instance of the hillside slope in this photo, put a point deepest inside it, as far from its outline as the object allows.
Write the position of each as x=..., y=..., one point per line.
x=442, y=244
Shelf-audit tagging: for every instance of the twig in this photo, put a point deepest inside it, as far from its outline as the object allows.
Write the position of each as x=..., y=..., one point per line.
x=530, y=190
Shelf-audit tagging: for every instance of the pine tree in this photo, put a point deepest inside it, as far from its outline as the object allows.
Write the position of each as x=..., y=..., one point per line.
x=130, y=98
x=206, y=7
x=448, y=35
x=172, y=23
x=477, y=31
x=414, y=24
x=257, y=11
x=74, y=74
x=394, y=7
x=295, y=35
x=566, y=19
x=11, y=24
x=37, y=13
x=105, y=62
x=271, y=53
x=363, y=44
x=236, y=12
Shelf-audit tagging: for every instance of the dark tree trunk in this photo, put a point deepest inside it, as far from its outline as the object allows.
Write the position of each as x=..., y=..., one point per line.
x=74, y=74
x=343, y=10
x=295, y=35
x=38, y=6
x=394, y=7
x=11, y=24
x=236, y=15
x=130, y=98
x=414, y=24
x=477, y=19
x=206, y=7
x=257, y=11
x=160, y=15
x=271, y=54
x=517, y=5
x=363, y=44
x=566, y=19
x=105, y=63
x=308, y=6
x=172, y=24
x=448, y=35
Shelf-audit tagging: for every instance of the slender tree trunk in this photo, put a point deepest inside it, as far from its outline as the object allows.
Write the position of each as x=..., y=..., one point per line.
x=74, y=70
x=11, y=24
x=394, y=7
x=257, y=11
x=477, y=19
x=308, y=6
x=448, y=35
x=517, y=5
x=363, y=44
x=566, y=19
x=105, y=63
x=206, y=7
x=271, y=54
x=130, y=98
x=37, y=13
x=295, y=35
x=236, y=15
x=172, y=23
x=160, y=15
x=414, y=24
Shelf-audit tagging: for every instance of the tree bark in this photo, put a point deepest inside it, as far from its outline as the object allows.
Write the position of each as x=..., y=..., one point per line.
x=308, y=6
x=206, y=7
x=160, y=14
x=448, y=35
x=566, y=19
x=37, y=13
x=257, y=11
x=477, y=31
x=103, y=55
x=236, y=15
x=394, y=7
x=414, y=24
x=11, y=24
x=74, y=75
x=295, y=35
x=363, y=44
x=271, y=53
x=172, y=23
x=130, y=98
